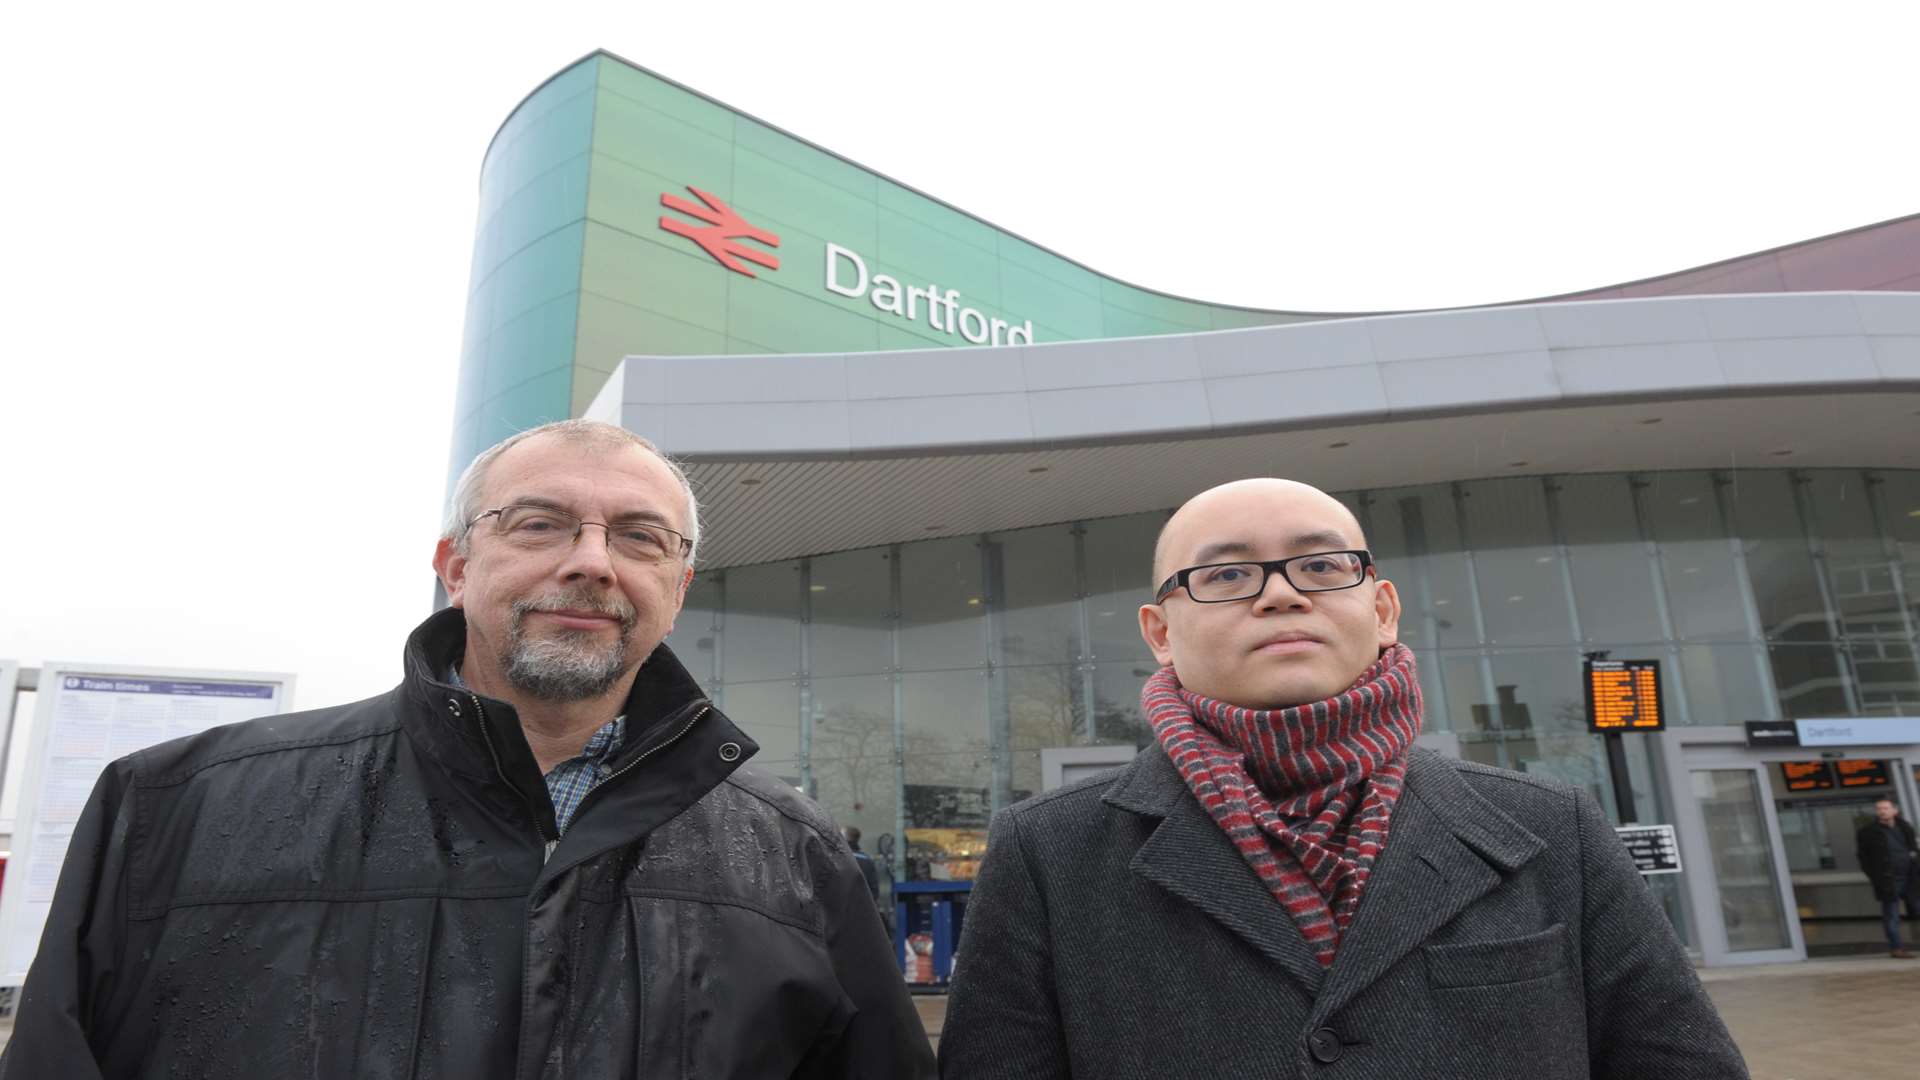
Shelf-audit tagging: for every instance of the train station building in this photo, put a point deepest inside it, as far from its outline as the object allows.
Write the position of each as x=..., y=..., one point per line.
x=932, y=457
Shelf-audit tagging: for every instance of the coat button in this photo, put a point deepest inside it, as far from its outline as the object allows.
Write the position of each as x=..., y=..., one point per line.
x=453, y=706
x=1325, y=1045
x=729, y=751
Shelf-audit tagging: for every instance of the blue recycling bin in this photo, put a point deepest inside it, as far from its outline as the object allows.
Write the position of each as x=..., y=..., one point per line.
x=926, y=922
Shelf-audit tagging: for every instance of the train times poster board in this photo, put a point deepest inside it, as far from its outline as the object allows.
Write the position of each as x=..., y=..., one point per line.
x=85, y=716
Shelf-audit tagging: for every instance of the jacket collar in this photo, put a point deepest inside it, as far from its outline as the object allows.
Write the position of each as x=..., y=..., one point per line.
x=479, y=738
x=1447, y=847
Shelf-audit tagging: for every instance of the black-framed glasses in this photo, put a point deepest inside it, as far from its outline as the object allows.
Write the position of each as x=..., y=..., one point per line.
x=1219, y=583
x=543, y=528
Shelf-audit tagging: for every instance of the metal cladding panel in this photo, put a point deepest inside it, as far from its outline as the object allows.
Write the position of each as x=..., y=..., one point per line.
x=1738, y=382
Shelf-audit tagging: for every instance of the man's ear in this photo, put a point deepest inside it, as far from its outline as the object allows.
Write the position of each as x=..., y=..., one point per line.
x=1155, y=632
x=1386, y=611
x=451, y=566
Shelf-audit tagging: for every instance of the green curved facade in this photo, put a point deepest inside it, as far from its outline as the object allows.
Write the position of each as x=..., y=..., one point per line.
x=572, y=270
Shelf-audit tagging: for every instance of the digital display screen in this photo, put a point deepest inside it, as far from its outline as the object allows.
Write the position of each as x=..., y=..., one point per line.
x=1861, y=772
x=1624, y=695
x=1807, y=775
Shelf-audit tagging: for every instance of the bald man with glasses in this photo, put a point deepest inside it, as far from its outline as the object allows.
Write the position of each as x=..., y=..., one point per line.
x=1283, y=885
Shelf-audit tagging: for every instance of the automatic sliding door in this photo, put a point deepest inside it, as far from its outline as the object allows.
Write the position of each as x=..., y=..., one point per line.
x=1734, y=809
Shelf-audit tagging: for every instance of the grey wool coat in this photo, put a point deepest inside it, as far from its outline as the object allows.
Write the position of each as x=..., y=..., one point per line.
x=1114, y=932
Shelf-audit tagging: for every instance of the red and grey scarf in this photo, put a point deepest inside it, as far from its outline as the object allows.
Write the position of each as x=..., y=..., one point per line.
x=1304, y=793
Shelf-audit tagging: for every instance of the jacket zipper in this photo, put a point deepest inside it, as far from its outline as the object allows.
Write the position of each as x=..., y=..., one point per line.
x=500, y=770
x=652, y=750
x=629, y=766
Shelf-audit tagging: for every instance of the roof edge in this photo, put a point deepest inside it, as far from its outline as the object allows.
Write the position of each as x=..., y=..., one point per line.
x=1577, y=293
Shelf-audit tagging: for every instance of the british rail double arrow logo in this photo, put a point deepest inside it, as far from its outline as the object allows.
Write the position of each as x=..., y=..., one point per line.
x=724, y=234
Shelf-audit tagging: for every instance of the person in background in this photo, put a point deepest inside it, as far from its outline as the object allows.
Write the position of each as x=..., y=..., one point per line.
x=1281, y=884
x=868, y=869
x=1891, y=858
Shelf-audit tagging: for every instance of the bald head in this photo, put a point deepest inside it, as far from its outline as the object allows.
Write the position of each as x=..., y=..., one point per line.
x=1225, y=521
x=1281, y=646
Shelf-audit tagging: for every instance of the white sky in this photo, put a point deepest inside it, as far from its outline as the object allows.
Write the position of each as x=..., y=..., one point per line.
x=234, y=244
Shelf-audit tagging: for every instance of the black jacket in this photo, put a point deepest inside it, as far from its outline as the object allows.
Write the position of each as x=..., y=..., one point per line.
x=368, y=892
x=1870, y=844
x=1115, y=932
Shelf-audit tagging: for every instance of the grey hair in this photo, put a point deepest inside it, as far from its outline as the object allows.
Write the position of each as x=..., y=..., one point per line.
x=465, y=505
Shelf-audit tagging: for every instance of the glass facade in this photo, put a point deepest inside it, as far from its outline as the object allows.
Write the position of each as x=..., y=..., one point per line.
x=911, y=688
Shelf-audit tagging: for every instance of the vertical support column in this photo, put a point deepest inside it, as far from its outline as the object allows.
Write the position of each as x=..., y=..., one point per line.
x=1488, y=690
x=717, y=688
x=1413, y=527
x=999, y=722
x=1662, y=604
x=1556, y=527
x=1823, y=582
x=804, y=678
x=1750, y=607
x=1614, y=750
x=896, y=613
x=1083, y=651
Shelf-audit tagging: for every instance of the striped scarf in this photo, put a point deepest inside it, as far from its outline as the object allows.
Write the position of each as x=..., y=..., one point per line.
x=1304, y=793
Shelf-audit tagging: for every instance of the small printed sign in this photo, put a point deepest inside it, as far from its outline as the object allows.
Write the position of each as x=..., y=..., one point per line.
x=1655, y=848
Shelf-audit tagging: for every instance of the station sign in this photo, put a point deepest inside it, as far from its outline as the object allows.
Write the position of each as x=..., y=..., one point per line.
x=724, y=234
x=1623, y=695
x=1858, y=730
x=1655, y=848
x=1807, y=775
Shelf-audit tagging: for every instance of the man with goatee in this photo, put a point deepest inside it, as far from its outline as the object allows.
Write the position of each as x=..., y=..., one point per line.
x=541, y=855
x=1283, y=886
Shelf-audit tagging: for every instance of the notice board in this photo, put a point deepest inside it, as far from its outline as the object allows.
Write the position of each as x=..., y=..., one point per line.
x=86, y=716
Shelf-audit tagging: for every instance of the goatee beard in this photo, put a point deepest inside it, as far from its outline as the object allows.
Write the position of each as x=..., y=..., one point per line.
x=568, y=665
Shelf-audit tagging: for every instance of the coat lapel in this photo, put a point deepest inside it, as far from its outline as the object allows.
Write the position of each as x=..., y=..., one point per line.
x=1189, y=856
x=1446, y=848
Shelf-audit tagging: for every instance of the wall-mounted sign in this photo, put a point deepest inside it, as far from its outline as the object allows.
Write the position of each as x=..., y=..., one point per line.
x=1806, y=775
x=1772, y=733
x=939, y=308
x=723, y=234
x=1624, y=695
x=1859, y=731
x=1861, y=772
x=1655, y=848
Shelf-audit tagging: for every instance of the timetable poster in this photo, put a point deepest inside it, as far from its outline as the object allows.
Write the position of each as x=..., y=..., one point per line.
x=84, y=719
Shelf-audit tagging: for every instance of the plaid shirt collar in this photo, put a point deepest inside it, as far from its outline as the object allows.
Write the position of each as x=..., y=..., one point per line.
x=569, y=781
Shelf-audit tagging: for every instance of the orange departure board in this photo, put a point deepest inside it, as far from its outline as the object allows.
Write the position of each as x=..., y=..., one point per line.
x=1806, y=775
x=1624, y=695
x=1861, y=772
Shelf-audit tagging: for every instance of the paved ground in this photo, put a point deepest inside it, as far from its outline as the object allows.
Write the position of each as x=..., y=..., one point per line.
x=1857, y=1019
x=1793, y=1021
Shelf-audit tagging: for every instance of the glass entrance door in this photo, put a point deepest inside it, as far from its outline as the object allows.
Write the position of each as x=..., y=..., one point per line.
x=1822, y=805
x=1734, y=873
x=1751, y=905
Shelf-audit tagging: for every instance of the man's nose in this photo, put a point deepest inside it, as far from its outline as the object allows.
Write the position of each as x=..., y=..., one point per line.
x=589, y=555
x=1279, y=593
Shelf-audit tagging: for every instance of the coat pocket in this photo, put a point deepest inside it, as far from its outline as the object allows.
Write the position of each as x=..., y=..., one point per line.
x=1490, y=963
